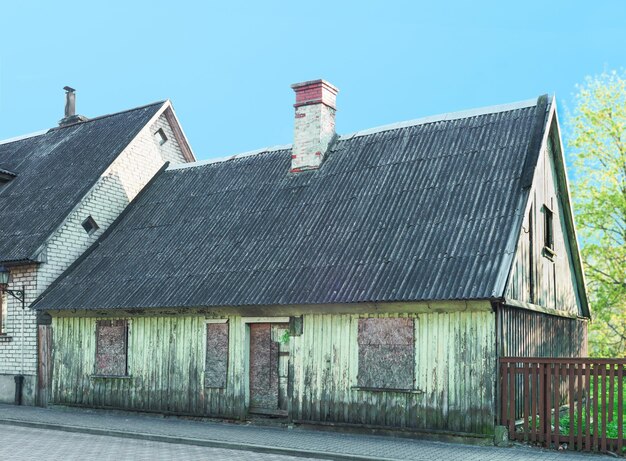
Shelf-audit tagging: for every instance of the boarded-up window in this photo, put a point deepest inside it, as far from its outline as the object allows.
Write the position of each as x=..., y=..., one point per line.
x=112, y=347
x=386, y=353
x=216, y=364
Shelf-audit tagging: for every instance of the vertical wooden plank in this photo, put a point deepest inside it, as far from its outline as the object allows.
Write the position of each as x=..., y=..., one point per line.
x=535, y=396
x=571, y=400
x=512, y=398
x=579, y=404
x=596, y=372
x=620, y=407
x=557, y=404
x=611, y=402
x=547, y=417
x=588, y=405
x=526, y=415
x=603, y=407
x=542, y=401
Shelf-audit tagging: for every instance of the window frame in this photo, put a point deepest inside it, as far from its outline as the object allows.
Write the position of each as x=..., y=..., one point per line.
x=548, y=232
x=160, y=136
x=91, y=222
x=98, y=373
x=361, y=381
x=210, y=324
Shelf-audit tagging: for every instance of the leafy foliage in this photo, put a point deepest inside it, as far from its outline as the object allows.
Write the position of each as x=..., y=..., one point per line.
x=598, y=142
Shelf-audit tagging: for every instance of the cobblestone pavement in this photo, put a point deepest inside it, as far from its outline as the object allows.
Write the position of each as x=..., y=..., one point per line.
x=25, y=443
x=299, y=442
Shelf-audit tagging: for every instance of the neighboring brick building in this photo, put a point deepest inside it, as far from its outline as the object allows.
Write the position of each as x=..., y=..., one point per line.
x=63, y=189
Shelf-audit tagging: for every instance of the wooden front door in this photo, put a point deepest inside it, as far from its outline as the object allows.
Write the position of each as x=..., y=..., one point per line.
x=268, y=369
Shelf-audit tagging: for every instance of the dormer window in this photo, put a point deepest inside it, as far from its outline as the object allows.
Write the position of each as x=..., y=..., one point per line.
x=90, y=225
x=160, y=136
x=6, y=176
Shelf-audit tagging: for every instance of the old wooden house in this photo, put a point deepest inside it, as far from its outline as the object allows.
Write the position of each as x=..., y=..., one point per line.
x=369, y=279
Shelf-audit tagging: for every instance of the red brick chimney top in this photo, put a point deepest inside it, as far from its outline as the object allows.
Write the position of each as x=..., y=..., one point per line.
x=315, y=92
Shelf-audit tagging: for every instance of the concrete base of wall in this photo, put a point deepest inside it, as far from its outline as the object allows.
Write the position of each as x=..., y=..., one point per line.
x=7, y=389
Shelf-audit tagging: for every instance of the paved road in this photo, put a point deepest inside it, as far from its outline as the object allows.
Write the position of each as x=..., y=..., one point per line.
x=25, y=443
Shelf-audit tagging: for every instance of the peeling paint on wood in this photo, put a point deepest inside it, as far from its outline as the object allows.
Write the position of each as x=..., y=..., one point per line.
x=454, y=368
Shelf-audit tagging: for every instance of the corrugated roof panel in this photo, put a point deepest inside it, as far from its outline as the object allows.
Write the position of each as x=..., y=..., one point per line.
x=420, y=212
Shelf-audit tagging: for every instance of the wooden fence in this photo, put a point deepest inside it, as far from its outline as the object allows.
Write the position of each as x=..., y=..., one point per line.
x=557, y=401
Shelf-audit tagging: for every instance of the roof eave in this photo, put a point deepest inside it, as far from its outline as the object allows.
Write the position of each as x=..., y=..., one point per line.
x=572, y=234
x=538, y=141
x=177, y=128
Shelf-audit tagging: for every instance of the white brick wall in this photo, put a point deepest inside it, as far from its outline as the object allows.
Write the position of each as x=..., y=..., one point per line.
x=117, y=186
x=11, y=346
x=170, y=151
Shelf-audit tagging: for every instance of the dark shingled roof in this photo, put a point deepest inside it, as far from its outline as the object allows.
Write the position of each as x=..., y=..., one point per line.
x=53, y=172
x=420, y=212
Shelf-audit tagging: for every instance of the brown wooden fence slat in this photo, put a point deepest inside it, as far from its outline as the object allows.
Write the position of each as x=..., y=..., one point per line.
x=512, y=401
x=620, y=407
x=589, y=431
x=595, y=402
x=536, y=391
x=603, y=407
x=612, y=446
x=533, y=406
x=571, y=402
x=611, y=391
x=557, y=403
x=526, y=384
x=547, y=416
x=542, y=402
x=579, y=404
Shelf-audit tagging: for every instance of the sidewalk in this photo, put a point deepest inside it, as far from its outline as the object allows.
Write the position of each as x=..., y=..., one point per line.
x=278, y=440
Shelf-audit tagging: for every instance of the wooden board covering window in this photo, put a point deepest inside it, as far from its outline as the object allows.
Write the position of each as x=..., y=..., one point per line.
x=111, y=347
x=386, y=353
x=216, y=363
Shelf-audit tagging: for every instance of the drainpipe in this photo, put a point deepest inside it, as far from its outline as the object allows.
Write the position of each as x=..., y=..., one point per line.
x=19, y=385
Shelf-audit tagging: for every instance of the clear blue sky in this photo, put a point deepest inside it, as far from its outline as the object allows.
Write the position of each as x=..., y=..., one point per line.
x=227, y=66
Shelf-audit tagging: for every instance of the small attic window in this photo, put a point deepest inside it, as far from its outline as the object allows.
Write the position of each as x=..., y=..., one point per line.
x=160, y=136
x=6, y=176
x=548, y=231
x=90, y=225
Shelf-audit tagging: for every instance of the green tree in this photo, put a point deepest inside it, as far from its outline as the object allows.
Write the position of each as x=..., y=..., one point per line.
x=598, y=142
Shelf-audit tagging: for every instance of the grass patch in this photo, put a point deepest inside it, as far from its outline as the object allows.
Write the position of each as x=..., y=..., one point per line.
x=600, y=397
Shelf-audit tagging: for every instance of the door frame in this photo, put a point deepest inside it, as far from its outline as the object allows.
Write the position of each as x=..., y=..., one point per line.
x=246, y=321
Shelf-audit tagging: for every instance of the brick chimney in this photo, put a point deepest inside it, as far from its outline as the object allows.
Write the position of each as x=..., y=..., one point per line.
x=70, y=109
x=315, y=123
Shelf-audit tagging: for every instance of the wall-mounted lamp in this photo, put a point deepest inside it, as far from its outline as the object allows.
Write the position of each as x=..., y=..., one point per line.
x=5, y=279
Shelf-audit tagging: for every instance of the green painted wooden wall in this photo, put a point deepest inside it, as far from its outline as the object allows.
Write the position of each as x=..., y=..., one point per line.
x=455, y=366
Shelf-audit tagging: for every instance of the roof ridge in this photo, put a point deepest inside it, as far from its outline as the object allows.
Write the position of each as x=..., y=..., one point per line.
x=100, y=117
x=467, y=113
x=494, y=109
x=24, y=136
x=250, y=153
